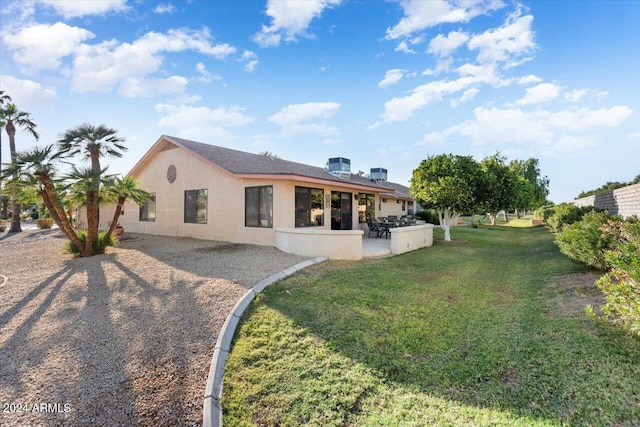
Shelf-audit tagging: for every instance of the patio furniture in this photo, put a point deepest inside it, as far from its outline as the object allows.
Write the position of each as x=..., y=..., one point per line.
x=373, y=227
x=383, y=228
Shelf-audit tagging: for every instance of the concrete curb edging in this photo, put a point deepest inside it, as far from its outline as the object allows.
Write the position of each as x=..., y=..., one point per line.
x=212, y=410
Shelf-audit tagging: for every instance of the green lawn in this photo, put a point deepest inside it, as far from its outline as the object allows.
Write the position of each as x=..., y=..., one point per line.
x=487, y=332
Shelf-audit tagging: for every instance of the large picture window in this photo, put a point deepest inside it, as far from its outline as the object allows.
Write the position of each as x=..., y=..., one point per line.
x=258, y=206
x=148, y=209
x=366, y=207
x=195, y=206
x=309, y=207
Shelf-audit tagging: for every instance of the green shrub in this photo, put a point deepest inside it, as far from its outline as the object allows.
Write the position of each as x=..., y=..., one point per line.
x=566, y=213
x=621, y=285
x=544, y=212
x=585, y=240
x=100, y=244
x=429, y=216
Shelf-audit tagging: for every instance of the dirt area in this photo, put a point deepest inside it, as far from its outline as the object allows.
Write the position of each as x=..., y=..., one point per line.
x=123, y=338
x=575, y=292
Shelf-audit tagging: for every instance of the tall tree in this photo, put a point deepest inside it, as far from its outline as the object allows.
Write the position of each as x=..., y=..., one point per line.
x=449, y=184
x=12, y=118
x=40, y=163
x=4, y=99
x=92, y=142
x=499, y=186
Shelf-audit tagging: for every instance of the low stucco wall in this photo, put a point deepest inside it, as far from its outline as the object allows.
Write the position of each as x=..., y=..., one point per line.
x=405, y=239
x=314, y=243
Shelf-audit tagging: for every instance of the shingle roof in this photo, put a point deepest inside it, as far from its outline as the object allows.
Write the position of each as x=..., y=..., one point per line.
x=240, y=162
x=399, y=191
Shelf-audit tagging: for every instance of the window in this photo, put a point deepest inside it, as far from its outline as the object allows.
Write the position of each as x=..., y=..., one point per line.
x=195, y=206
x=258, y=206
x=366, y=207
x=309, y=207
x=148, y=209
x=410, y=208
x=404, y=205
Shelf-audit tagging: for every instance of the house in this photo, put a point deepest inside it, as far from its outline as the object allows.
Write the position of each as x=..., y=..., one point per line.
x=215, y=193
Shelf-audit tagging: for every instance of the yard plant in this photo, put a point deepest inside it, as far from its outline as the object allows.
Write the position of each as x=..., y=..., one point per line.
x=489, y=331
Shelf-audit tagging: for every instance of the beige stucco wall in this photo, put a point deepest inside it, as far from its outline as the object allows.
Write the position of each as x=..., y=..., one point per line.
x=226, y=204
x=391, y=207
x=317, y=242
x=405, y=239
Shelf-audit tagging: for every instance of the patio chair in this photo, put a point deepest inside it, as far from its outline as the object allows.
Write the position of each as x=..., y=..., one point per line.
x=373, y=227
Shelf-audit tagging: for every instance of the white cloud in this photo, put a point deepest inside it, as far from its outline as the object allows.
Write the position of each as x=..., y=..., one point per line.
x=290, y=20
x=43, y=46
x=531, y=78
x=541, y=130
x=633, y=136
x=420, y=15
x=400, y=109
x=202, y=123
x=101, y=67
x=467, y=96
x=295, y=118
x=75, y=8
x=134, y=88
x=544, y=92
x=205, y=75
x=250, y=59
x=26, y=94
x=165, y=8
x=510, y=43
x=445, y=45
x=391, y=77
x=403, y=46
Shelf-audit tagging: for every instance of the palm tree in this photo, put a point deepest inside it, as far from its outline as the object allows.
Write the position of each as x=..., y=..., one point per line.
x=93, y=142
x=13, y=117
x=40, y=163
x=4, y=99
x=121, y=189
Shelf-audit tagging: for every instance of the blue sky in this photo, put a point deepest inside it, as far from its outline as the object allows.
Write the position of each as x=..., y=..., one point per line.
x=384, y=83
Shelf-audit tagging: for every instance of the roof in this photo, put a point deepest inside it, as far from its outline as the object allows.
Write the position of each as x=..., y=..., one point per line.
x=399, y=191
x=246, y=164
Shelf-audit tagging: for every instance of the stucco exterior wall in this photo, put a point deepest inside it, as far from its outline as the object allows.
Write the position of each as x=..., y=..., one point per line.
x=405, y=239
x=225, y=204
x=390, y=207
x=314, y=243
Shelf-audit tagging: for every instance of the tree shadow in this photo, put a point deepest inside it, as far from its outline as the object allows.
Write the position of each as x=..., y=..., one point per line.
x=97, y=336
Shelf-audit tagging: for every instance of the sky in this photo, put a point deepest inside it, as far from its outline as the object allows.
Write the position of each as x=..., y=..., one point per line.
x=383, y=83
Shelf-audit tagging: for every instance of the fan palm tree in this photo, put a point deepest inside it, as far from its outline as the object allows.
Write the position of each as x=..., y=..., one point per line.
x=13, y=117
x=119, y=190
x=4, y=99
x=40, y=163
x=93, y=142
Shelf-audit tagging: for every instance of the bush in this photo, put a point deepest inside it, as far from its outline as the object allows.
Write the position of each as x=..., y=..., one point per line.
x=99, y=245
x=544, y=212
x=429, y=216
x=621, y=285
x=585, y=240
x=566, y=213
x=44, y=223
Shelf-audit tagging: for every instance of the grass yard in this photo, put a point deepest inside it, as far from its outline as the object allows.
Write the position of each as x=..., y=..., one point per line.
x=487, y=332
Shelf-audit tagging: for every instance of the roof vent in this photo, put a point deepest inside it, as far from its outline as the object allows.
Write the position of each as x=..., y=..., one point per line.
x=378, y=174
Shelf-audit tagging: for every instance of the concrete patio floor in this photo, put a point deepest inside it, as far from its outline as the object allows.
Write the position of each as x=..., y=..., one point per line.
x=375, y=247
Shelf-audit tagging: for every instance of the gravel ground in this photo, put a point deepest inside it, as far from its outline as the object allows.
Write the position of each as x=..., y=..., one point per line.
x=123, y=338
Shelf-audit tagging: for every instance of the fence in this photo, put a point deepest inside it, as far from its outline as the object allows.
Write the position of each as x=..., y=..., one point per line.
x=623, y=201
